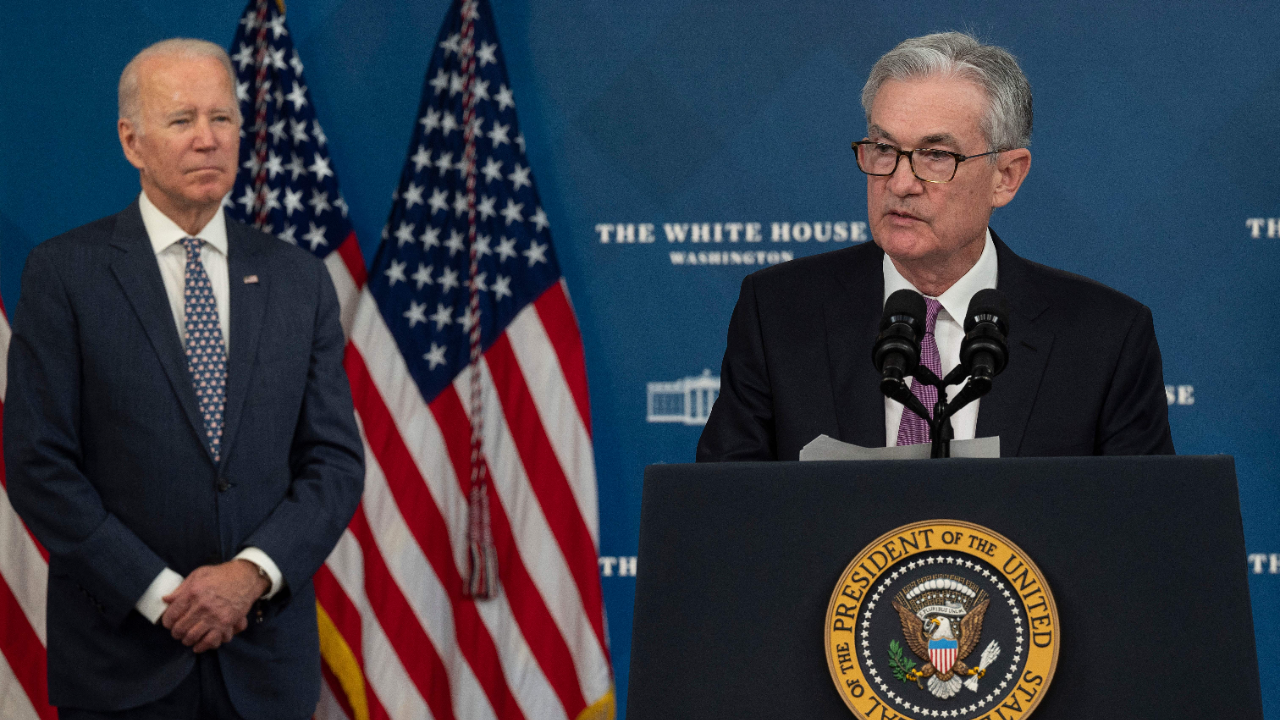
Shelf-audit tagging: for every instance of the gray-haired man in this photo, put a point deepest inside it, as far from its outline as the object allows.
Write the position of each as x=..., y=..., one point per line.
x=178, y=428
x=948, y=125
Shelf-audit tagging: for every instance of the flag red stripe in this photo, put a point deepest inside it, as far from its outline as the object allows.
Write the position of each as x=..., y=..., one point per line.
x=346, y=618
x=417, y=654
x=343, y=612
x=547, y=478
x=428, y=527
x=561, y=327
x=349, y=251
x=21, y=647
x=4, y=483
x=527, y=604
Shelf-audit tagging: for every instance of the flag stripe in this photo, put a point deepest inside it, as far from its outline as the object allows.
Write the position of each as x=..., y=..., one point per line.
x=529, y=604
x=417, y=655
x=392, y=382
x=548, y=479
x=557, y=316
x=345, y=283
x=24, y=574
x=553, y=587
x=24, y=569
x=429, y=529
x=353, y=260
x=339, y=665
x=423, y=592
x=345, y=617
x=387, y=678
x=417, y=427
x=333, y=703
x=14, y=703
x=25, y=652
x=557, y=412
x=343, y=612
x=5, y=334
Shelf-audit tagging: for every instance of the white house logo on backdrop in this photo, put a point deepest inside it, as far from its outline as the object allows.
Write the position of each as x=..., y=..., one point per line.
x=730, y=243
x=687, y=400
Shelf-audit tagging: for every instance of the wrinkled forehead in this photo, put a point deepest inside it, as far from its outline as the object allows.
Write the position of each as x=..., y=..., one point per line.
x=933, y=109
x=174, y=76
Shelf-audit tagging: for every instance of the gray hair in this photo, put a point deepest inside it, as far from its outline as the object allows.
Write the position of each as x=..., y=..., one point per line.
x=130, y=105
x=1007, y=122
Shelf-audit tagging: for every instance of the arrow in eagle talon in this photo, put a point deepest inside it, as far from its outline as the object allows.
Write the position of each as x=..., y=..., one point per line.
x=989, y=656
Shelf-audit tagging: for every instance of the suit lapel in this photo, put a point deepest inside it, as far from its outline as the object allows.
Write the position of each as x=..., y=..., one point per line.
x=248, y=303
x=852, y=312
x=1007, y=408
x=138, y=273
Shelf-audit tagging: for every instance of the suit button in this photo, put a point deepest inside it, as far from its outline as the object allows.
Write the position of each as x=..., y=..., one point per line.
x=223, y=485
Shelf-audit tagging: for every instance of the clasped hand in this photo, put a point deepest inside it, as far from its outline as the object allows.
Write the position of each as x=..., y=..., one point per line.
x=212, y=604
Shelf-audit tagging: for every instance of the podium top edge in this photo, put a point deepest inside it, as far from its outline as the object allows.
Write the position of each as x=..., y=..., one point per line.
x=1208, y=460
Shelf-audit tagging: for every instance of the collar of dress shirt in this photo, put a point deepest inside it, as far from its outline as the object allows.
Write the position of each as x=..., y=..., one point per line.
x=956, y=299
x=164, y=232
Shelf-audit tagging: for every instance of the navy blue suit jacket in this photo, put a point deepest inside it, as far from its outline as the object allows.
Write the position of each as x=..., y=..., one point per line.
x=105, y=462
x=1084, y=374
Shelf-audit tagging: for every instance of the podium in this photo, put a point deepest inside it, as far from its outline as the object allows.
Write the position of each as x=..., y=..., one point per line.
x=1144, y=556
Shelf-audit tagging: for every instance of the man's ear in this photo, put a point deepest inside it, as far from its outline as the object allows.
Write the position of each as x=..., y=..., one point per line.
x=1011, y=169
x=129, y=142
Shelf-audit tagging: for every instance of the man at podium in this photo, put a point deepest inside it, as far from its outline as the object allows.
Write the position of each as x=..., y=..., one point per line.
x=948, y=126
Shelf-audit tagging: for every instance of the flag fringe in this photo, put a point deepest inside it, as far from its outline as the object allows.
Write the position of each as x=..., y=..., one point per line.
x=337, y=654
x=603, y=709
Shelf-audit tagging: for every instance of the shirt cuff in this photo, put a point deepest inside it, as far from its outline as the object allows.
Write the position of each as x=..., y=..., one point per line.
x=259, y=558
x=152, y=605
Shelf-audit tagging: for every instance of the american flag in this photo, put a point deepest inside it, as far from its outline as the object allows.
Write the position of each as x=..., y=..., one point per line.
x=467, y=370
x=287, y=185
x=24, y=572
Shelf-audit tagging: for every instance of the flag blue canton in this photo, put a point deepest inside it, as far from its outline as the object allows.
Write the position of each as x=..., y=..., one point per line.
x=420, y=276
x=302, y=202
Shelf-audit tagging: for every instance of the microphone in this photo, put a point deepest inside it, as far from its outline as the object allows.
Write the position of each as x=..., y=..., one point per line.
x=984, y=351
x=896, y=353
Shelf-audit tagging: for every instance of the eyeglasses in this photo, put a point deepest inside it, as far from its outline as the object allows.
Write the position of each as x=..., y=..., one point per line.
x=928, y=164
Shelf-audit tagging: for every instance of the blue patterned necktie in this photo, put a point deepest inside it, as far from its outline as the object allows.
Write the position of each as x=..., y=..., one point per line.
x=206, y=354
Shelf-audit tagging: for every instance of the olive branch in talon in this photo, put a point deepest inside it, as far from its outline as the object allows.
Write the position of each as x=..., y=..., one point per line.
x=903, y=667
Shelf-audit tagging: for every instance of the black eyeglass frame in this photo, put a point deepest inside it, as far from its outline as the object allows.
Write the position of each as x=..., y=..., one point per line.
x=911, y=160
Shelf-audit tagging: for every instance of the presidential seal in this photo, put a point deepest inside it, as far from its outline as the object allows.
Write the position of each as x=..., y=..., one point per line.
x=941, y=619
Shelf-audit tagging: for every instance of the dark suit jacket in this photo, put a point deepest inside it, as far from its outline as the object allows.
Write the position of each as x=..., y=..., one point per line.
x=106, y=465
x=1083, y=377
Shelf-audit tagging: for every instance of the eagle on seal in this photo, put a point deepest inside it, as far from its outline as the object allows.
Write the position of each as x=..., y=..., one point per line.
x=939, y=635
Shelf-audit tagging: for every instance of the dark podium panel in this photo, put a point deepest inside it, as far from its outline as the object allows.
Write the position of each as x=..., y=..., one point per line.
x=1144, y=556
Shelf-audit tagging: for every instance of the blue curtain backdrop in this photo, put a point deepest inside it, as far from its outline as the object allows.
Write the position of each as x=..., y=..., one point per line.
x=1156, y=170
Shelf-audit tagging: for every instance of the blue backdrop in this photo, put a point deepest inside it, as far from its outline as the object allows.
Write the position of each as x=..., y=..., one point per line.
x=1154, y=171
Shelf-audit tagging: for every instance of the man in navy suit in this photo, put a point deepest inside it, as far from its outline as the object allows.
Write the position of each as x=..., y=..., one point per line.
x=179, y=431
x=948, y=125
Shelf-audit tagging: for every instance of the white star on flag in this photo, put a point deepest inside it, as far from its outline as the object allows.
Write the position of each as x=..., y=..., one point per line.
x=511, y=213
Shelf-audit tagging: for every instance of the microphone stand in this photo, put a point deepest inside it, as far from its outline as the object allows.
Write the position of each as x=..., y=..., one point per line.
x=940, y=423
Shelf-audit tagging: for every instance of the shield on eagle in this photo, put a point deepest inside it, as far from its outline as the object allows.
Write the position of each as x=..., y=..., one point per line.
x=942, y=653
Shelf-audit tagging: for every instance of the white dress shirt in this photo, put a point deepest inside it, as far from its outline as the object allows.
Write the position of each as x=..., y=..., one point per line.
x=948, y=333
x=166, y=240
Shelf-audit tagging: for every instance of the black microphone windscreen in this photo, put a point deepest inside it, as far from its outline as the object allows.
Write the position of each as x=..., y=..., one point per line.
x=904, y=302
x=989, y=302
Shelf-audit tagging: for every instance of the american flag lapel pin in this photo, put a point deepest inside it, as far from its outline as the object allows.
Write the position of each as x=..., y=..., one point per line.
x=250, y=279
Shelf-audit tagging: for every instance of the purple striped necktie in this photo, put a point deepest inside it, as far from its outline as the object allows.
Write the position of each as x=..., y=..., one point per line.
x=914, y=430
x=206, y=353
